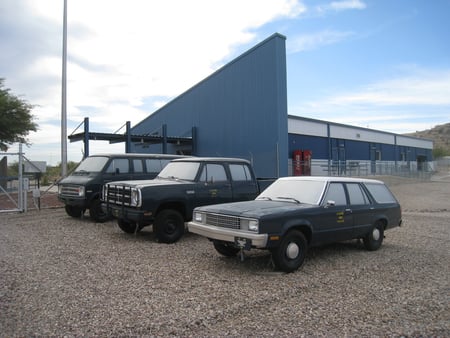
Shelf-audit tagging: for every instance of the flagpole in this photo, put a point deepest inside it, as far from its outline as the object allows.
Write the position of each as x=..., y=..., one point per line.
x=64, y=97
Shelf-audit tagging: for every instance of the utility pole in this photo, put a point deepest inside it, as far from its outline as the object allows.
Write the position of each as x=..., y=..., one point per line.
x=64, y=97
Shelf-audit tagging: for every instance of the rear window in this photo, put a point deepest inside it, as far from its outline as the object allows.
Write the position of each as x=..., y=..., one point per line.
x=240, y=172
x=380, y=193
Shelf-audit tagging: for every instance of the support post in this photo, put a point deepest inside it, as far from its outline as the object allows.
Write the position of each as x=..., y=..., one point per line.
x=128, y=137
x=86, y=137
x=164, y=144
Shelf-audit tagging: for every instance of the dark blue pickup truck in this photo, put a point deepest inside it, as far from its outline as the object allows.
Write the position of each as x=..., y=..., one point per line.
x=296, y=213
x=167, y=201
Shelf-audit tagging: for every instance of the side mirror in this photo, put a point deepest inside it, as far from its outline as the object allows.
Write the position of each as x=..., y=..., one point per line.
x=330, y=203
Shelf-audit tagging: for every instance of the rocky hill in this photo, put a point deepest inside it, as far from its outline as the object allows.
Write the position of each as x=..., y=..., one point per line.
x=440, y=135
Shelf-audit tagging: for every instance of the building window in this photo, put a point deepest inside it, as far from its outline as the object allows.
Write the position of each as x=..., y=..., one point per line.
x=377, y=155
x=402, y=156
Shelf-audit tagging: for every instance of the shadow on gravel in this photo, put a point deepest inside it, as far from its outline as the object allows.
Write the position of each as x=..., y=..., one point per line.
x=260, y=261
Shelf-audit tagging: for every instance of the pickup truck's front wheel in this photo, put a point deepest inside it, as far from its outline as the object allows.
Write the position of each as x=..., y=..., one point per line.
x=168, y=226
x=291, y=253
x=225, y=248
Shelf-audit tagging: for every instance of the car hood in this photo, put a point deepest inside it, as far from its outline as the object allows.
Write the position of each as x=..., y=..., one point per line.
x=79, y=179
x=255, y=209
x=142, y=184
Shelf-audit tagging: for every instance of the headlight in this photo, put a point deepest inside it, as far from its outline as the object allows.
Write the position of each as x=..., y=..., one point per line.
x=199, y=217
x=253, y=225
x=135, y=198
x=81, y=191
x=105, y=192
x=250, y=224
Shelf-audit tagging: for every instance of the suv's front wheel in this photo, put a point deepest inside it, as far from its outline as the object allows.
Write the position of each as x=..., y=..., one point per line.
x=73, y=211
x=96, y=212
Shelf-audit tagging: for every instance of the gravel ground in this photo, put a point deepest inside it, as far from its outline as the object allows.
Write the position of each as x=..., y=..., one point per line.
x=65, y=277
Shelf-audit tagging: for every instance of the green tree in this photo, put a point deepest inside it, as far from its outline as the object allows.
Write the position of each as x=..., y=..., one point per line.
x=16, y=120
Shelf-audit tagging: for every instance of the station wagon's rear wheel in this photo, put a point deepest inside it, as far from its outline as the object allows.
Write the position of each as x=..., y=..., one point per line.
x=169, y=226
x=374, y=238
x=291, y=253
x=128, y=226
x=225, y=248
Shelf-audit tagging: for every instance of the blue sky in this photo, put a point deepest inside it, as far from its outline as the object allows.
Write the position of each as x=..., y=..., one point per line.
x=381, y=64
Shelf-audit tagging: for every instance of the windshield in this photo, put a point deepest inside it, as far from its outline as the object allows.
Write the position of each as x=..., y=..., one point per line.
x=92, y=164
x=186, y=171
x=297, y=191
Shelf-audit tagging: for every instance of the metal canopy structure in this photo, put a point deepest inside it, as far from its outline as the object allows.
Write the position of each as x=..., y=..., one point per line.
x=128, y=138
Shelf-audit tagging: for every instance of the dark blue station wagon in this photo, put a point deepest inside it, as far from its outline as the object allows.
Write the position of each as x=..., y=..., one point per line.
x=295, y=213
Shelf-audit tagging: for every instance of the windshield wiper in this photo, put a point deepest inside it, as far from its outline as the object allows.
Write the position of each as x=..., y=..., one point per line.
x=290, y=199
x=264, y=198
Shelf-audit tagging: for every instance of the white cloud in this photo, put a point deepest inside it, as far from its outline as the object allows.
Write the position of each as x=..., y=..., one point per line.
x=306, y=42
x=125, y=58
x=342, y=5
x=401, y=104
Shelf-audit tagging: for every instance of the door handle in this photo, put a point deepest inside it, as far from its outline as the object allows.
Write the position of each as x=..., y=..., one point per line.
x=348, y=211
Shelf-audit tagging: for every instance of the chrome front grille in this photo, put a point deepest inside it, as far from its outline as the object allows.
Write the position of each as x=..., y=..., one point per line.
x=70, y=190
x=118, y=194
x=231, y=222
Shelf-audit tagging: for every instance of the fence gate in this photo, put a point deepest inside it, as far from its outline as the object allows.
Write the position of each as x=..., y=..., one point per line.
x=12, y=190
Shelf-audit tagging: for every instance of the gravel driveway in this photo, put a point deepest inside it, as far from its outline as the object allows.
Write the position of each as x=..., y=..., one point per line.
x=65, y=277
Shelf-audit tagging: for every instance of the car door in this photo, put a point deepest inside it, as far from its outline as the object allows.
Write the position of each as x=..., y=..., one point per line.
x=335, y=221
x=361, y=208
x=214, y=186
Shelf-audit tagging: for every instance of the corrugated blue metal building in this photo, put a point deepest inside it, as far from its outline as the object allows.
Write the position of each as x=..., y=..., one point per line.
x=241, y=111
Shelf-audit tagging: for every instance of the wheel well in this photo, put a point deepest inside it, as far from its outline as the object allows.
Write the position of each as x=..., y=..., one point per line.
x=95, y=196
x=306, y=230
x=383, y=221
x=175, y=206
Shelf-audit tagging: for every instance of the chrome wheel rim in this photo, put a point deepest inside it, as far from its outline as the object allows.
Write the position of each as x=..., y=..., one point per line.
x=376, y=234
x=292, y=251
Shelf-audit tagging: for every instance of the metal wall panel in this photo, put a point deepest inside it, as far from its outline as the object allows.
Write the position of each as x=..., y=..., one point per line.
x=240, y=110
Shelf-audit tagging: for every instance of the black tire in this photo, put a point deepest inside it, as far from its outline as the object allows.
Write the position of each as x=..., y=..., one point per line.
x=128, y=226
x=96, y=212
x=373, y=240
x=168, y=226
x=73, y=211
x=225, y=248
x=291, y=252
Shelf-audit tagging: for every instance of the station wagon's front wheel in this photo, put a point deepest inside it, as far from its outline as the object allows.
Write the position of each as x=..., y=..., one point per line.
x=374, y=238
x=169, y=226
x=291, y=253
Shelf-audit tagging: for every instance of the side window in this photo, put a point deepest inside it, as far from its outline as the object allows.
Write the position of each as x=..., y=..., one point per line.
x=213, y=173
x=356, y=194
x=240, y=172
x=119, y=166
x=164, y=163
x=336, y=193
x=138, y=166
x=153, y=165
x=380, y=193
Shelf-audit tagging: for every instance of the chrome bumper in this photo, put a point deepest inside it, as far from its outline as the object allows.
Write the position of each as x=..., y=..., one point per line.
x=227, y=235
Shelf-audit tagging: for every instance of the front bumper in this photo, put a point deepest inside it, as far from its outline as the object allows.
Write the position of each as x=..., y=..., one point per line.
x=126, y=213
x=228, y=235
x=77, y=202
